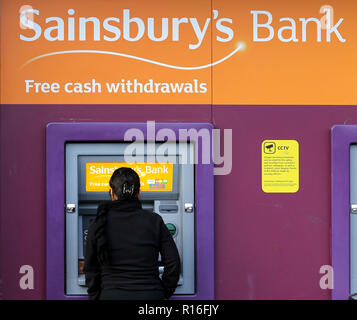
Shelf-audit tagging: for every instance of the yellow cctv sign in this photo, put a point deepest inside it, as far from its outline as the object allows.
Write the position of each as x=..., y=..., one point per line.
x=280, y=166
x=153, y=176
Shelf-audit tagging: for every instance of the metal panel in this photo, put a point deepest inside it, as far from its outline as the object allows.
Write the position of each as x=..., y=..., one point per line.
x=77, y=154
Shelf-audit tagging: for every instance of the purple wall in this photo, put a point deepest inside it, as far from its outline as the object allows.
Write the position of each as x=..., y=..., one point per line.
x=268, y=246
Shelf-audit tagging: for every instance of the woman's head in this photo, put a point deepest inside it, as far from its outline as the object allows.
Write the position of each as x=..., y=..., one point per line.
x=124, y=184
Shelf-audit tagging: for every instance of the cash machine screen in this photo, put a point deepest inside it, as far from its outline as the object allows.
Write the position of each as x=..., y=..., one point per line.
x=153, y=176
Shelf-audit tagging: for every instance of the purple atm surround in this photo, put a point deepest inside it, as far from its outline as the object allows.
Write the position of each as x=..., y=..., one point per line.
x=57, y=134
x=342, y=136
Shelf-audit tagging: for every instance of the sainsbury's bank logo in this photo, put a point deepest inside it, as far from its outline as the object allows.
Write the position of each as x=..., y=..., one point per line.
x=126, y=26
x=117, y=28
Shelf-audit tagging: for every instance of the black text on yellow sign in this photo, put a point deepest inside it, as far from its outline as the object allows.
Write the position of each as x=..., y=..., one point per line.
x=280, y=166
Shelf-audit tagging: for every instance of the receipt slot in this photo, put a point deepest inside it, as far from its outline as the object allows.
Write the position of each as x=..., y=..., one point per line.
x=180, y=191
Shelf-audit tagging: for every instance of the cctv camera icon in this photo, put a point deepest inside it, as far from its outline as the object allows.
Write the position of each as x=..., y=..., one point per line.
x=269, y=147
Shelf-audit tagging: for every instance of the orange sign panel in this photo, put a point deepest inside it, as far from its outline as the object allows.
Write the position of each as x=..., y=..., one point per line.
x=178, y=52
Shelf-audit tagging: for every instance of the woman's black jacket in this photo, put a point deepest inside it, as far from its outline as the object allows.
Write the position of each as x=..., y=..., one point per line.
x=122, y=250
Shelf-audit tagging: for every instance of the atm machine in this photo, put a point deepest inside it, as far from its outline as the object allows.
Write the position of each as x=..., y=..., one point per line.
x=344, y=211
x=166, y=188
x=80, y=159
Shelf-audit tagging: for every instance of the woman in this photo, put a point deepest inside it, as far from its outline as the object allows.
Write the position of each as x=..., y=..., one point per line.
x=123, y=244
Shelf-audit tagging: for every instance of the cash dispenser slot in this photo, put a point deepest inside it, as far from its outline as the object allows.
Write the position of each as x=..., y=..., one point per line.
x=168, y=208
